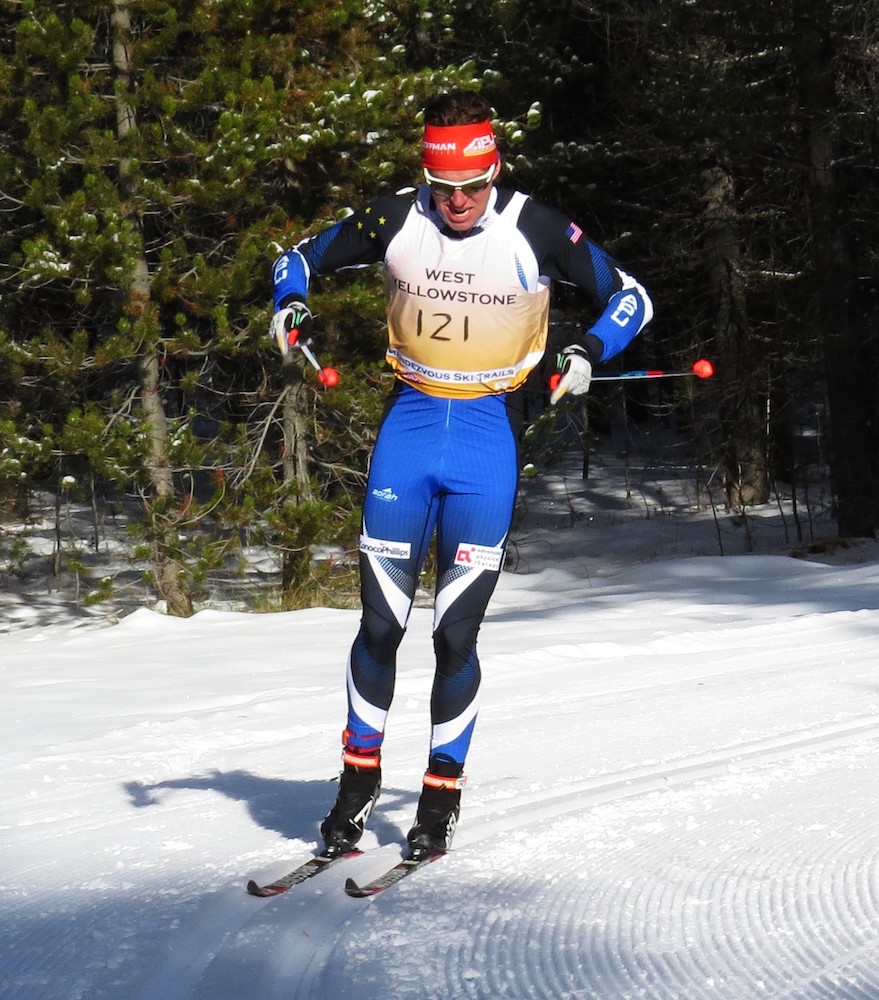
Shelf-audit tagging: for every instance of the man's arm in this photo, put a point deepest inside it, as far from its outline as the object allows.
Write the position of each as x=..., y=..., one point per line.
x=358, y=241
x=565, y=254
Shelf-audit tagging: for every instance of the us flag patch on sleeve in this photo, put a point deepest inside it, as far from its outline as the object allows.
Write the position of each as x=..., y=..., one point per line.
x=574, y=232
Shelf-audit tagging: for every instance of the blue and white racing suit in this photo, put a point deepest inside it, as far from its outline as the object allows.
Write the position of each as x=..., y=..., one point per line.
x=467, y=322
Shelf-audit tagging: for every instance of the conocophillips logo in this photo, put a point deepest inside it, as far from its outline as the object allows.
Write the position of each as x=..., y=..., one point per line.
x=384, y=549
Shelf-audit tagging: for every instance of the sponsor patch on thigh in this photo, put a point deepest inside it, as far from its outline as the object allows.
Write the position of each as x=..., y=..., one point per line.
x=479, y=556
x=385, y=549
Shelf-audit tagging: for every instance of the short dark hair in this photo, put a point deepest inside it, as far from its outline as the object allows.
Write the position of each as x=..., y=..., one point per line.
x=457, y=107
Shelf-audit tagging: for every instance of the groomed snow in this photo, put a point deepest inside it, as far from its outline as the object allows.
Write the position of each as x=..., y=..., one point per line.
x=672, y=784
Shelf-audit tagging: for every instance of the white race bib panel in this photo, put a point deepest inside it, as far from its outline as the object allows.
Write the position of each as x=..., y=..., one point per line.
x=466, y=317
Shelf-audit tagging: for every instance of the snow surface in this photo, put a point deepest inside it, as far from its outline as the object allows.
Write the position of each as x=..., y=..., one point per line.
x=671, y=783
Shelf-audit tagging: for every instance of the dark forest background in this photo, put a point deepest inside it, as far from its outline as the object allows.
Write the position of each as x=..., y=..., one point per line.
x=155, y=158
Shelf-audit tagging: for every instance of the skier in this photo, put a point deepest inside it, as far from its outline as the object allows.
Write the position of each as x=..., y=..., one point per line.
x=467, y=268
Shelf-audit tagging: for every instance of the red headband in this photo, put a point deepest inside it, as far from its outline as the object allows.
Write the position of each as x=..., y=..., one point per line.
x=458, y=147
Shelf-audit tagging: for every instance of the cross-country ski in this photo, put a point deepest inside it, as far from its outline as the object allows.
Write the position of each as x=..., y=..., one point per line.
x=392, y=876
x=314, y=866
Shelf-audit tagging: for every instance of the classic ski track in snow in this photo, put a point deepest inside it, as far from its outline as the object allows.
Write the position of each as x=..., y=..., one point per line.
x=281, y=950
x=644, y=924
x=584, y=794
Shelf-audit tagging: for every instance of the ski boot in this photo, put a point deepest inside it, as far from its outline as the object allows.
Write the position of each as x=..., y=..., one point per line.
x=438, y=809
x=359, y=788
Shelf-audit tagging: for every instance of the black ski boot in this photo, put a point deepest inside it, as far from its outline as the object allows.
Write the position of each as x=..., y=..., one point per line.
x=359, y=788
x=438, y=808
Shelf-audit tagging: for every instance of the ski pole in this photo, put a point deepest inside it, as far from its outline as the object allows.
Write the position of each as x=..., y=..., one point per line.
x=295, y=336
x=326, y=376
x=702, y=368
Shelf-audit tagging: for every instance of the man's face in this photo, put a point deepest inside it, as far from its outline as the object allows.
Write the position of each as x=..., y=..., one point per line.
x=461, y=196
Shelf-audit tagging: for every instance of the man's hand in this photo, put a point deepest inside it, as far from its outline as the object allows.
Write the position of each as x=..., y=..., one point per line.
x=576, y=373
x=289, y=325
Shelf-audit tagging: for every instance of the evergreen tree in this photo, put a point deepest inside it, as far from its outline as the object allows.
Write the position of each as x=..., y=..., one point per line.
x=742, y=148
x=833, y=54
x=156, y=158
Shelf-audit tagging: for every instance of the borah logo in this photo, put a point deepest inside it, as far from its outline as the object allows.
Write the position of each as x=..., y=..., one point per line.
x=387, y=494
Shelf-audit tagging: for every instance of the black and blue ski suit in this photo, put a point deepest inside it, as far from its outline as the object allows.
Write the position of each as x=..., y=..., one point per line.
x=467, y=322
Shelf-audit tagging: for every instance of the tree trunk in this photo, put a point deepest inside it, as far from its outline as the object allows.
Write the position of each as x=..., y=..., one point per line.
x=170, y=577
x=295, y=464
x=295, y=561
x=837, y=303
x=742, y=378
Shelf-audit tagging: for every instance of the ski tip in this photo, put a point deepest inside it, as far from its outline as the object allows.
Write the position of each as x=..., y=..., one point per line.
x=316, y=864
x=263, y=891
x=357, y=891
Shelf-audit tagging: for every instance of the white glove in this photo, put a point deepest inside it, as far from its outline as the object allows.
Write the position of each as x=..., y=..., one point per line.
x=290, y=325
x=576, y=374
